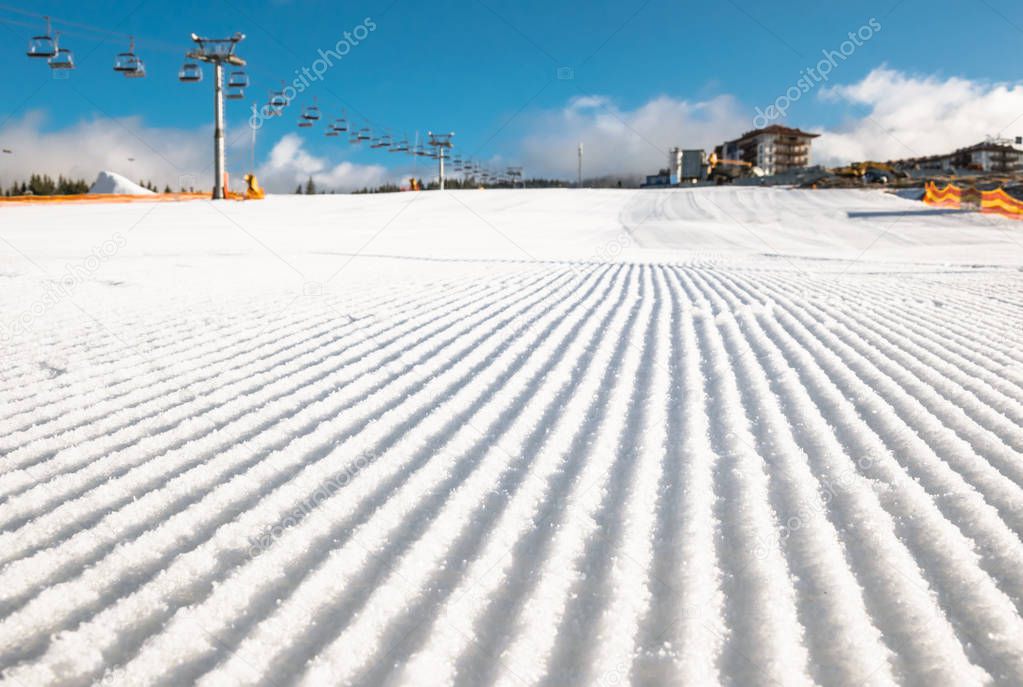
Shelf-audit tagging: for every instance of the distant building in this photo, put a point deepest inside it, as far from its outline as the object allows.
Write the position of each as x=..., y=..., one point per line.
x=774, y=149
x=997, y=157
x=687, y=165
x=662, y=178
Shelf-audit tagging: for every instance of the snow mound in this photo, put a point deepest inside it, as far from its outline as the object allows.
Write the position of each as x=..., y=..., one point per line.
x=110, y=182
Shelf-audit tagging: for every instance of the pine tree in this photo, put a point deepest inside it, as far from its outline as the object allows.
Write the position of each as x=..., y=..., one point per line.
x=298, y=190
x=310, y=187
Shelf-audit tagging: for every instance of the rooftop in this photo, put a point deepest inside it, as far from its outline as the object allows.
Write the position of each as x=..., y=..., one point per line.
x=778, y=129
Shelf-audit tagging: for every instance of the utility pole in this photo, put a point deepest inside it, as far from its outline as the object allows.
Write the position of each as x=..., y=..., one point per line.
x=218, y=52
x=580, y=181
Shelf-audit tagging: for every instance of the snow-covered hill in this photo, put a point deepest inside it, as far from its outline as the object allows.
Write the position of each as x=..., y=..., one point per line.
x=111, y=182
x=600, y=437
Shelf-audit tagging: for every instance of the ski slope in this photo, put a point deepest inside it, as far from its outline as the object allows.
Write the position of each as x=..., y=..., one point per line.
x=709, y=436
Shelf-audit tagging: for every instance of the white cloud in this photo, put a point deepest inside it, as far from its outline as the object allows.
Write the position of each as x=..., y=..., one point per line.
x=618, y=141
x=289, y=165
x=889, y=114
x=911, y=116
x=161, y=155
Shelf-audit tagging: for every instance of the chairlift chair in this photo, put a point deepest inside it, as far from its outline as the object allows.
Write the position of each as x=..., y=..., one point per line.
x=128, y=62
x=365, y=134
x=353, y=138
x=331, y=132
x=234, y=94
x=384, y=141
x=238, y=80
x=138, y=73
x=340, y=125
x=277, y=103
x=304, y=123
x=311, y=113
x=400, y=146
x=190, y=73
x=42, y=46
x=64, y=59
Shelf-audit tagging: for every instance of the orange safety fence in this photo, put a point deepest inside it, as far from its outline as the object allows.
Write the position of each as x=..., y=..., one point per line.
x=119, y=198
x=949, y=197
x=105, y=198
x=998, y=202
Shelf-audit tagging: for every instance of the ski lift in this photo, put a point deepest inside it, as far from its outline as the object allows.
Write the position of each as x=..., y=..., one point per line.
x=365, y=134
x=353, y=138
x=304, y=123
x=42, y=46
x=340, y=125
x=238, y=80
x=278, y=101
x=331, y=132
x=384, y=141
x=400, y=146
x=312, y=113
x=128, y=62
x=234, y=94
x=64, y=59
x=138, y=73
x=190, y=73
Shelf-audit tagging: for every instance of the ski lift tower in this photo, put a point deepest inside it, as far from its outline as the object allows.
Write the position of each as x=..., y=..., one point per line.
x=441, y=143
x=218, y=52
x=579, y=183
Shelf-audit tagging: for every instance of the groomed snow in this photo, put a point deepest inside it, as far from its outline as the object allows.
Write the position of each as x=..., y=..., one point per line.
x=741, y=436
x=111, y=182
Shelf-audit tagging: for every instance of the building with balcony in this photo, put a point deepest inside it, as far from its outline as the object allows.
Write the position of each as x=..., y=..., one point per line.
x=995, y=157
x=774, y=149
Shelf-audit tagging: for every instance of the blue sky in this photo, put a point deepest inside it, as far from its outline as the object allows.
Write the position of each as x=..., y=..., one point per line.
x=488, y=70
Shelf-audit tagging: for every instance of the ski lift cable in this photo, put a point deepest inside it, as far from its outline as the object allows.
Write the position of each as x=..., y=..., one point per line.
x=63, y=22
x=84, y=31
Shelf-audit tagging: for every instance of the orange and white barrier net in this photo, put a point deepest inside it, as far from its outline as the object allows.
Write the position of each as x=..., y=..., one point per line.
x=123, y=198
x=998, y=202
x=949, y=197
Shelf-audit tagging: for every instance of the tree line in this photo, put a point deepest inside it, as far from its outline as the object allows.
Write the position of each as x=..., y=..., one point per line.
x=45, y=185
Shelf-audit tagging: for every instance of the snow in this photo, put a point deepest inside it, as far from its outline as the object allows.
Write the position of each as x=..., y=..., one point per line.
x=516, y=437
x=110, y=182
